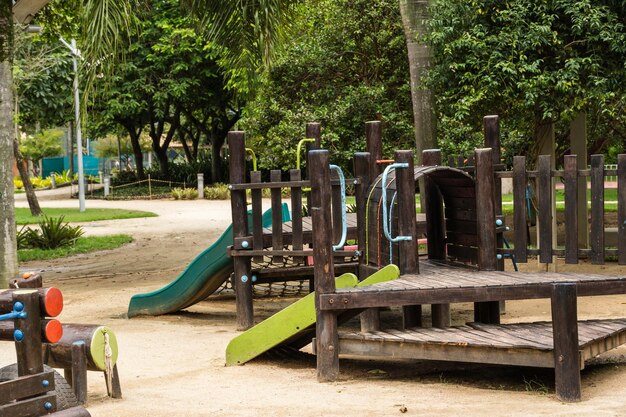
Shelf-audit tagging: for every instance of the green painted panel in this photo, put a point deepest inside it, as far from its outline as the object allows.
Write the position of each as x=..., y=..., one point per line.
x=295, y=319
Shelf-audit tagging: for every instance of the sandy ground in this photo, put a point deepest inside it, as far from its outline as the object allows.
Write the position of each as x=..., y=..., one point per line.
x=174, y=365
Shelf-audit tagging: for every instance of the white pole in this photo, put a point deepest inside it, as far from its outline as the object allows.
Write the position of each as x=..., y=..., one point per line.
x=79, y=138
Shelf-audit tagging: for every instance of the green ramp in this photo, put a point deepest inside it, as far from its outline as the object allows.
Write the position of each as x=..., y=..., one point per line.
x=293, y=321
x=204, y=275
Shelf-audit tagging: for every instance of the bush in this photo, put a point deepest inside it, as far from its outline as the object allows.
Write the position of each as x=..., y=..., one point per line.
x=64, y=177
x=17, y=183
x=184, y=193
x=52, y=233
x=217, y=192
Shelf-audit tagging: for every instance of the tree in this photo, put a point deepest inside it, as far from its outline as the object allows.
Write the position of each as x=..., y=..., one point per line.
x=8, y=241
x=345, y=64
x=414, y=21
x=41, y=145
x=530, y=62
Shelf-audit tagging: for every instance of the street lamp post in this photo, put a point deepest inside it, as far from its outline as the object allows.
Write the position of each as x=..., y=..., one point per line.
x=79, y=140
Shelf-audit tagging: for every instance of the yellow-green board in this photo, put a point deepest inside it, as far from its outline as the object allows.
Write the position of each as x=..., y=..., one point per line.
x=292, y=320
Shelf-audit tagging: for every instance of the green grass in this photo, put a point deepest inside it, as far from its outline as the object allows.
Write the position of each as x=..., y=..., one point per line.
x=82, y=245
x=72, y=215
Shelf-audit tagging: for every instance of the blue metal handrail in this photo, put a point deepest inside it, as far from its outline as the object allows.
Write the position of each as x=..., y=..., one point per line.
x=344, y=223
x=386, y=218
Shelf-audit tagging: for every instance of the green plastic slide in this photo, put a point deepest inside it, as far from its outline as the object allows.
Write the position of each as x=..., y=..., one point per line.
x=293, y=322
x=204, y=275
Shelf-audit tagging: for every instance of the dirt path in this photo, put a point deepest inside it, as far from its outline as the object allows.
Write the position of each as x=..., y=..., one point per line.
x=174, y=365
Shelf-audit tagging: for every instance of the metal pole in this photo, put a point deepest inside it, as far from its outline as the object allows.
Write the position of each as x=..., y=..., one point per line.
x=79, y=139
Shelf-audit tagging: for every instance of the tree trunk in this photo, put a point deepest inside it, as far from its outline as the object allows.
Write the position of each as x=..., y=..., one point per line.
x=8, y=241
x=414, y=16
x=33, y=204
x=137, y=152
x=216, y=160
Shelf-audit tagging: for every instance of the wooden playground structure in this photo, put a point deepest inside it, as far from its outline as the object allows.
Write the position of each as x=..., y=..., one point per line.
x=462, y=219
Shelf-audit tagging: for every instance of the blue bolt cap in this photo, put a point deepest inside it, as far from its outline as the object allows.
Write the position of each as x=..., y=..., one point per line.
x=254, y=278
x=47, y=405
x=499, y=256
x=498, y=222
x=18, y=335
x=45, y=383
x=245, y=244
x=244, y=278
x=18, y=306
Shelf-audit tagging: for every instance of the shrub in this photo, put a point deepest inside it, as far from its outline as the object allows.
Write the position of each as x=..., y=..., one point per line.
x=52, y=233
x=217, y=192
x=39, y=182
x=17, y=183
x=184, y=193
x=64, y=177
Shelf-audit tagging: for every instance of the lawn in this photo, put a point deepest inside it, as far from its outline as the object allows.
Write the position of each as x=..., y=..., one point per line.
x=82, y=245
x=73, y=215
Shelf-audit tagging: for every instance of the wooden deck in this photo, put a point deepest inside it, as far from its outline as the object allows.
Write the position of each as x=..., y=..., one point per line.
x=523, y=344
x=442, y=283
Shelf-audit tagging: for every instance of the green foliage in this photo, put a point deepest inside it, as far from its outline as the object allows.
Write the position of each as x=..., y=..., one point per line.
x=528, y=61
x=17, y=183
x=41, y=145
x=217, y=192
x=52, y=233
x=184, y=193
x=83, y=244
x=110, y=145
x=345, y=64
x=23, y=216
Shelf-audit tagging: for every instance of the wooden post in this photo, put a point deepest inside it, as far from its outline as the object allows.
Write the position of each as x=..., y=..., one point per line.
x=545, y=192
x=79, y=371
x=277, y=216
x=29, y=360
x=621, y=209
x=571, y=209
x=432, y=205
x=241, y=277
x=296, y=215
x=578, y=146
x=596, y=237
x=327, y=338
x=314, y=131
x=374, y=146
x=370, y=318
x=257, y=215
x=408, y=261
x=565, y=334
x=487, y=312
x=520, y=211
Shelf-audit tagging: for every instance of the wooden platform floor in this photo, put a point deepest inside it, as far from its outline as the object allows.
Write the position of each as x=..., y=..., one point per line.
x=523, y=344
x=442, y=283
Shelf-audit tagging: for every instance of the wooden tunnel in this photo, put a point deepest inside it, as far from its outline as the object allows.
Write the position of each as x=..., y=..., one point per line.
x=448, y=217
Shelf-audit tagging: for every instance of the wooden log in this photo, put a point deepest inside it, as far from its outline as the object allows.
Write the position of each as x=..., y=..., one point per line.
x=571, y=209
x=408, y=261
x=97, y=340
x=314, y=131
x=596, y=237
x=327, y=338
x=79, y=371
x=544, y=191
x=28, y=280
x=297, y=240
x=488, y=312
x=257, y=215
x=621, y=209
x=277, y=215
x=565, y=335
x=520, y=210
x=50, y=301
x=29, y=360
x=71, y=412
x=241, y=278
x=51, y=330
